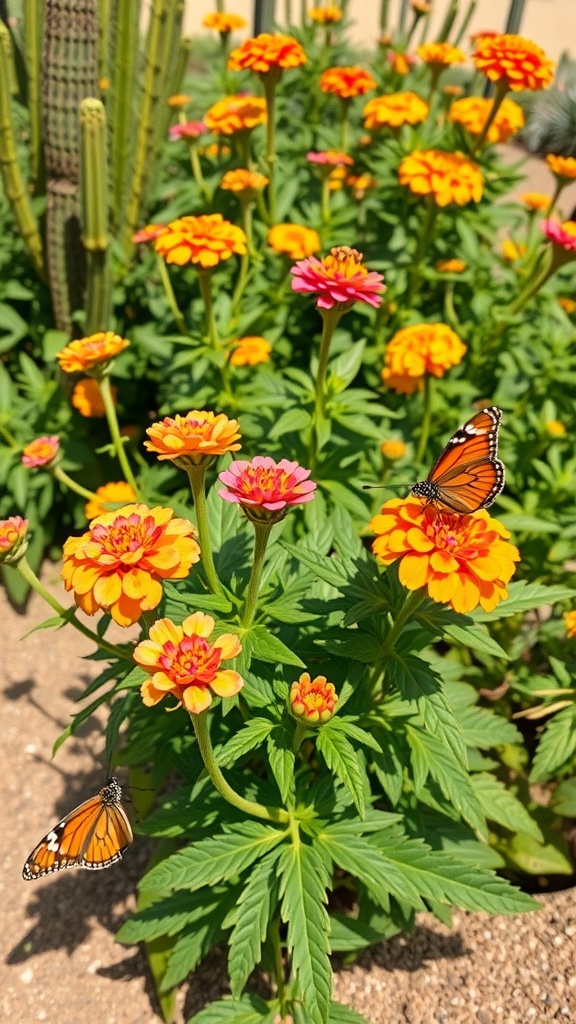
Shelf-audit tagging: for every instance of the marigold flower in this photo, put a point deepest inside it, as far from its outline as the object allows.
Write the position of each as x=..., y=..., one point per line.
x=87, y=398
x=330, y=158
x=568, y=304
x=570, y=623
x=325, y=15
x=511, y=251
x=119, y=564
x=266, y=489
x=92, y=353
x=293, y=240
x=453, y=91
x=313, y=700
x=392, y=450
x=179, y=100
x=183, y=663
x=346, y=82
x=337, y=178
x=360, y=184
x=116, y=493
x=518, y=62
x=462, y=560
x=441, y=54
x=446, y=177
x=487, y=33
x=239, y=113
x=224, y=23
x=339, y=279
x=472, y=112
x=205, y=241
x=394, y=110
x=562, y=166
x=453, y=266
x=267, y=53
x=420, y=349
x=535, y=200
x=193, y=439
x=187, y=130
x=400, y=62
x=563, y=236
x=148, y=234
x=250, y=351
x=554, y=427
x=214, y=151
x=13, y=540
x=40, y=452
x=245, y=184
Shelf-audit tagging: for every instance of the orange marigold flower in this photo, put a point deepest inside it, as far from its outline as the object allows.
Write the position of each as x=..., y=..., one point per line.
x=40, y=452
x=313, y=700
x=347, y=82
x=462, y=560
x=442, y=54
x=325, y=15
x=511, y=251
x=183, y=663
x=337, y=178
x=446, y=177
x=250, y=351
x=239, y=113
x=87, y=398
x=554, y=427
x=92, y=353
x=392, y=450
x=394, y=110
x=338, y=280
x=148, y=234
x=244, y=183
x=113, y=493
x=420, y=349
x=472, y=112
x=570, y=623
x=205, y=240
x=267, y=54
x=329, y=158
x=568, y=304
x=562, y=166
x=453, y=266
x=193, y=439
x=13, y=540
x=293, y=240
x=222, y=22
x=535, y=200
x=360, y=184
x=518, y=62
x=400, y=62
x=214, y=151
x=118, y=565
x=179, y=100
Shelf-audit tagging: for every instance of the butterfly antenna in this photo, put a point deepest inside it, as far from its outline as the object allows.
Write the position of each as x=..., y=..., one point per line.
x=387, y=487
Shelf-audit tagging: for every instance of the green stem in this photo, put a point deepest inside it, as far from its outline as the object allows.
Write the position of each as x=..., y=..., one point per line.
x=413, y=601
x=560, y=186
x=276, y=944
x=110, y=408
x=261, y=535
x=206, y=290
x=61, y=475
x=426, y=417
x=325, y=199
x=169, y=292
x=196, y=476
x=69, y=614
x=202, y=733
x=197, y=172
x=330, y=318
x=501, y=90
x=344, y=124
x=270, y=93
x=245, y=260
x=423, y=242
x=533, y=285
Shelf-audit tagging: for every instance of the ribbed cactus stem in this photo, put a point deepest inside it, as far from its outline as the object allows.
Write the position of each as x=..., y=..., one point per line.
x=32, y=28
x=14, y=185
x=7, y=58
x=103, y=38
x=183, y=56
x=122, y=91
x=94, y=204
x=170, y=85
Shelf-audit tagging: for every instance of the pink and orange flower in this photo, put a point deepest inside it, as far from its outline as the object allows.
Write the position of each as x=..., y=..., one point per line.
x=40, y=452
x=266, y=489
x=194, y=439
x=329, y=158
x=313, y=700
x=187, y=130
x=91, y=355
x=562, y=236
x=13, y=539
x=339, y=280
x=148, y=234
x=240, y=113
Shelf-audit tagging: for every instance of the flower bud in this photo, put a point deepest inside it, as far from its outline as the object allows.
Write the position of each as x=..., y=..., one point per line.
x=313, y=700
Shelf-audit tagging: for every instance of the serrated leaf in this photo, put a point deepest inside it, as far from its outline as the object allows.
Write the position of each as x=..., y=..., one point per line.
x=477, y=638
x=412, y=677
x=503, y=807
x=242, y=742
x=342, y=760
x=563, y=799
x=339, y=1014
x=484, y=729
x=430, y=756
x=254, y=909
x=303, y=883
x=248, y=1010
x=267, y=647
x=282, y=758
x=330, y=570
x=353, y=731
x=168, y=916
x=524, y=597
x=557, y=745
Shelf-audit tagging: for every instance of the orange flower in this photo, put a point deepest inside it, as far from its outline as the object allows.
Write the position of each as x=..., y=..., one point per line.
x=325, y=15
x=224, y=23
x=92, y=353
x=568, y=304
x=148, y=234
x=267, y=54
x=472, y=112
x=554, y=427
x=393, y=450
x=205, y=240
x=562, y=166
x=183, y=663
x=441, y=54
x=244, y=183
x=337, y=179
x=462, y=560
x=511, y=251
x=338, y=280
x=446, y=177
x=570, y=623
x=193, y=439
x=360, y=183
x=118, y=565
x=517, y=62
x=400, y=62
x=347, y=82
x=214, y=151
x=40, y=452
x=116, y=493
x=87, y=398
x=420, y=349
x=236, y=114
x=535, y=200
x=329, y=158
x=179, y=100
x=313, y=700
x=250, y=351
x=13, y=540
x=293, y=240
x=453, y=266
x=394, y=110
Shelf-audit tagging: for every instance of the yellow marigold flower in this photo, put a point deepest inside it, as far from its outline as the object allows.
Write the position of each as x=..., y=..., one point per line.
x=472, y=112
x=562, y=166
x=244, y=183
x=442, y=54
x=119, y=564
x=325, y=15
x=113, y=493
x=236, y=114
x=313, y=700
x=179, y=100
x=13, y=539
x=205, y=240
x=392, y=450
x=92, y=353
x=267, y=54
x=570, y=623
x=555, y=428
x=453, y=266
x=346, y=82
x=222, y=22
x=535, y=200
x=400, y=63
x=293, y=240
x=337, y=179
x=87, y=398
x=420, y=349
x=462, y=560
x=193, y=439
x=568, y=304
x=446, y=177
x=183, y=663
x=42, y=451
x=518, y=62
x=394, y=110
x=511, y=251
x=250, y=351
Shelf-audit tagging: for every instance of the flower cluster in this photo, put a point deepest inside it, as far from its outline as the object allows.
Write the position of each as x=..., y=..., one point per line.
x=192, y=439
x=516, y=62
x=346, y=82
x=92, y=354
x=338, y=280
x=417, y=350
x=395, y=110
x=205, y=241
x=445, y=177
x=236, y=114
x=472, y=112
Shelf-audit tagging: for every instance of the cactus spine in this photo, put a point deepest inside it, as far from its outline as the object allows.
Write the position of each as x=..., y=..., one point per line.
x=94, y=194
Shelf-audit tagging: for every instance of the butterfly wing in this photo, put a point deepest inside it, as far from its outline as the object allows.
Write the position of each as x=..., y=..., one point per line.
x=94, y=835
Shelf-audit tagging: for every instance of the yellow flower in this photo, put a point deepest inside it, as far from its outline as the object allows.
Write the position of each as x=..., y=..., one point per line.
x=346, y=82
x=222, y=22
x=420, y=349
x=535, y=200
x=453, y=266
x=183, y=663
x=120, y=493
x=392, y=450
x=570, y=623
x=205, y=241
x=568, y=304
x=250, y=351
x=446, y=177
x=268, y=54
x=555, y=428
x=511, y=251
x=472, y=112
x=236, y=114
x=325, y=15
x=394, y=110
x=119, y=564
x=245, y=184
x=562, y=166
x=87, y=398
x=441, y=54
x=293, y=240
x=313, y=700
x=92, y=353
x=13, y=539
x=193, y=439
x=179, y=100
x=360, y=183
x=462, y=560
x=518, y=62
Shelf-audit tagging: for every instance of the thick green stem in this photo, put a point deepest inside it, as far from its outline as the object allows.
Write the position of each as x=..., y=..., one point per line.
x=426, y=417
x=276, y=944
x=421, y=248
x=110, y=409
x=413, y=601
x=206, y=289
x=325, y=199
x=330, y=318
x=196, y=476
x=270, y=93
x=262, y=533
x=344, y=124
x=169, y=293
x=202, y=733
x=32, y=30
x=197, y=172
x=560, y=186
x=501, y=90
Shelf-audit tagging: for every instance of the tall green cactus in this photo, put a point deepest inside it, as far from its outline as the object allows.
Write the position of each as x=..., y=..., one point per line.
x=124, y=34
x=33, y=27
x=94, y=192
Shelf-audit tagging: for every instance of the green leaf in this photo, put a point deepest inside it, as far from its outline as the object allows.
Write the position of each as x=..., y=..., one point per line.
x=563, y=799
x=501, y=806
x=525, y=854
x=484, y=729
x=430, y=756
x=267, y=647
x=349, y=934
x=477, y=638
x=343, y=761
x=357, y=855
x=339, y=1014
x=255, y=907
x=251, y=735
x=557, y=745
x=293, y=420
x=168, y=916
x=330, y=570
x=411, y=676
x=303, y=884
x=282, y=758
x=248, y=1010
x=524, y=597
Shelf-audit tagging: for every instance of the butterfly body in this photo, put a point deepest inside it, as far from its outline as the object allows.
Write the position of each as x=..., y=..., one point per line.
x=468, y=475
x=94, y=835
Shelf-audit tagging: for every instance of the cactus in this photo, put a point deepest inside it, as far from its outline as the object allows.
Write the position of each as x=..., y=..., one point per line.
x=121, y=103
x=32, y=37
x=94, y=193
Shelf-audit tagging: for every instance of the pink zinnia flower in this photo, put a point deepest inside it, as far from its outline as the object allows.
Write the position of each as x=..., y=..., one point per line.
x=340, y=279
x=331, y=157
x=187, y=130
x=563, y=235
x=40, y=452
x=148, y=234
x=266, y=487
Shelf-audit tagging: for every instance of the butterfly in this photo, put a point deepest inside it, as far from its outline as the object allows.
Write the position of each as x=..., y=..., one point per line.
x=468, y=475
x=94, y=835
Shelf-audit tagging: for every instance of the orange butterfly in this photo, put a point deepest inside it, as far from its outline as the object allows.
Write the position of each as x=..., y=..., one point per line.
x=94, y=835
x=468, y=474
